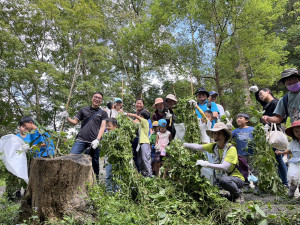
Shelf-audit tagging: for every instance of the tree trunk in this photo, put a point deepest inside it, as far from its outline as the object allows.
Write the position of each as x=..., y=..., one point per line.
x=58, y=187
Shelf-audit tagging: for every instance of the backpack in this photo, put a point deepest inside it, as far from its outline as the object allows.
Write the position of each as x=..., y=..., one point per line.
x=243, y=167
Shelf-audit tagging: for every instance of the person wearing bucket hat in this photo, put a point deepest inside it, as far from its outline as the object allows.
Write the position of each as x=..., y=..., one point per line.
x=225, y=159
x=203, y=103
x=213, y=98
x=289, y=104
x=159, y=112
x=293, y=148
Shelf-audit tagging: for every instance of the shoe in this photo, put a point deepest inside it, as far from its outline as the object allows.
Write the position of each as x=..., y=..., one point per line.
x=292, y=190
x=226, y=194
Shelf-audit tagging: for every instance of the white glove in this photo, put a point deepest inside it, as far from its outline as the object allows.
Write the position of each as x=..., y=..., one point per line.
x=156, y=147
x=193, y=103
x=227, y=114
x=125, y=114
x=25, y=147
x=95, y=143
x=202, y=163
x=229, y=123
x=266, y=128
x=253, y=89
x=64, y=115
x=168, y=115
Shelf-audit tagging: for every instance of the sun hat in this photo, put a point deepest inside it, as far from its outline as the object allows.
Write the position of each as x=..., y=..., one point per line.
x=201, y=89
x=155, y=124
x=171, y=97
x=118, y=100
x=287, y=73
x=162, y=123
x=213, y=93
x=217, y=127
x=289, y=131
x=157, y=100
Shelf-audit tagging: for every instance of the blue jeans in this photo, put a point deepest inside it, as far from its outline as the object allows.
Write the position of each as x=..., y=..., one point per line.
x=109, y=182
x=282, y=169
x=80, y=146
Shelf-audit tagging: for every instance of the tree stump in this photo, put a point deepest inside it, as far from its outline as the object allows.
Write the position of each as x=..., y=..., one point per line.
x=57, y=187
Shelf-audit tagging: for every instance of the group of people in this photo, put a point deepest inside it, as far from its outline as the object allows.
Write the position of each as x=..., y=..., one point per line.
x=154, y=135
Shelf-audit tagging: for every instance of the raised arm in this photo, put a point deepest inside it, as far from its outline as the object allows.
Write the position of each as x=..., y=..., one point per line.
x=133, y=115
x=193, y=146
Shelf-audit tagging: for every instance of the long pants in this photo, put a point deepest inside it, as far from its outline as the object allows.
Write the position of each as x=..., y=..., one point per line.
x=232, y=184
x=80, y=146
x=282, y=169
x=134, y=152
x=144, y=160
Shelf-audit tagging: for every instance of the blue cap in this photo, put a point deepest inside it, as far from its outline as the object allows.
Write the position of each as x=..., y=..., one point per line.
x=213, y=93
x=118, y=100
x=162, y=123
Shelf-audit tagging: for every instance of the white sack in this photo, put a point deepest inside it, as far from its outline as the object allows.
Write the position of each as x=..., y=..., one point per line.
x=13, y=157
x=180, y=130
x=203, y=127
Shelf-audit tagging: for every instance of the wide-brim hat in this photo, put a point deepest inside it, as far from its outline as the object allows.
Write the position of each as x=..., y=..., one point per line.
x=289, y=131
x=202, y=89
x=157, y=101
x=217, y=127
x=288, y=73
x=171, y=97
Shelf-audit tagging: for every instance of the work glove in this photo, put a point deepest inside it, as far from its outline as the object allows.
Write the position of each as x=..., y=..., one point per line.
x=168, y=115
x=229, y=123
x=227, y=114
x=253, y=88
x=95, y=143
x=64, y=115
x=202, y=163
x=25, y=147
x=125, y=114
x=193, y=103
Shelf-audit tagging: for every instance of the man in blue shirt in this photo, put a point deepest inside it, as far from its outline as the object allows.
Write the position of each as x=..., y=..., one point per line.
x=41, y=140
x=202, y=96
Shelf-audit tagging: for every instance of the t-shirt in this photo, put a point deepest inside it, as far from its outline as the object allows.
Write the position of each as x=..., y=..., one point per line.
x=144, y=127
x=25, y=139
x=90, y=131
x=221, y=111
x=150, y=126
x=242, y=136
x=204, y=107
x=38, y=138
x=231, y=157
x=293, y=107
x=153, y=138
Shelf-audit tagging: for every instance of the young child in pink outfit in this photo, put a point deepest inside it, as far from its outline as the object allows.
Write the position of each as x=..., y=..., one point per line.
x=163, y=138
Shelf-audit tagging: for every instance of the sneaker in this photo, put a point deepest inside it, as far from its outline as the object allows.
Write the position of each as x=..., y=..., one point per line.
x=292, y=190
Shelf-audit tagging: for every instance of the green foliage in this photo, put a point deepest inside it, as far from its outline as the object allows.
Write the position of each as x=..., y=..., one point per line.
x=265, y=163
x=9, y=211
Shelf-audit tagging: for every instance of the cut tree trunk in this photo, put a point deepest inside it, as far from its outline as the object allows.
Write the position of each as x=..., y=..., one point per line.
x=58, y=187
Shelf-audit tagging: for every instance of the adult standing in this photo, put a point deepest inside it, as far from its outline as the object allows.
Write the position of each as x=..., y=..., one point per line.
x=159, y=112
x=289, y=104
x=93, y=121
x=265, y=97
x=203, y=103
x=213, y=98
x=116, y=108
x=170, y=102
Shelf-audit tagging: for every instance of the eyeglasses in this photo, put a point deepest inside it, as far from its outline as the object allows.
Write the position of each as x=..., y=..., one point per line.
x=97, y=97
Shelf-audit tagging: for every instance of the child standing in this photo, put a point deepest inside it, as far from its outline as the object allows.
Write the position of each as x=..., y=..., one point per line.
x=111, y=124
x=293, y=175
x=144, y=153
x=242, y=135
x=155, y=157
x=163, y=138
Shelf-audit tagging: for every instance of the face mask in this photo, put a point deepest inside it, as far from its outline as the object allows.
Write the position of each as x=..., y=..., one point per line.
x=294, y=87
x=161, y=110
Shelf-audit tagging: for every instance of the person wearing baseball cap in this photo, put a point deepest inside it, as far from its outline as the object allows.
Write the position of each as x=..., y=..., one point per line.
x=293, y=148
x=225, y=159
x=116, y=109
x=289, y=104
x=213, y=98
x=203, y=103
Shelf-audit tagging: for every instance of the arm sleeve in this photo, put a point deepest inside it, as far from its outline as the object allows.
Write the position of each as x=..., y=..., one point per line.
x=224, y=166
x=194, y=146
x=79, y=115
x=104, y=115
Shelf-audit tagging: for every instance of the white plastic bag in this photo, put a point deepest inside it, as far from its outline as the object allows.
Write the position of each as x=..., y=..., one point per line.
x=277, y=138
x=14, y=159
x=203, y=127
x=180, y=130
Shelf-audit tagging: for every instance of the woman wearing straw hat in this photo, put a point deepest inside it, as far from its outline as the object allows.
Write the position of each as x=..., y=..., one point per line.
x=225, y=159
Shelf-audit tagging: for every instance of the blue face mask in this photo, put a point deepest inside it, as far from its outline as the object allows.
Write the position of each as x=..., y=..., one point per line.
x=294, y=87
